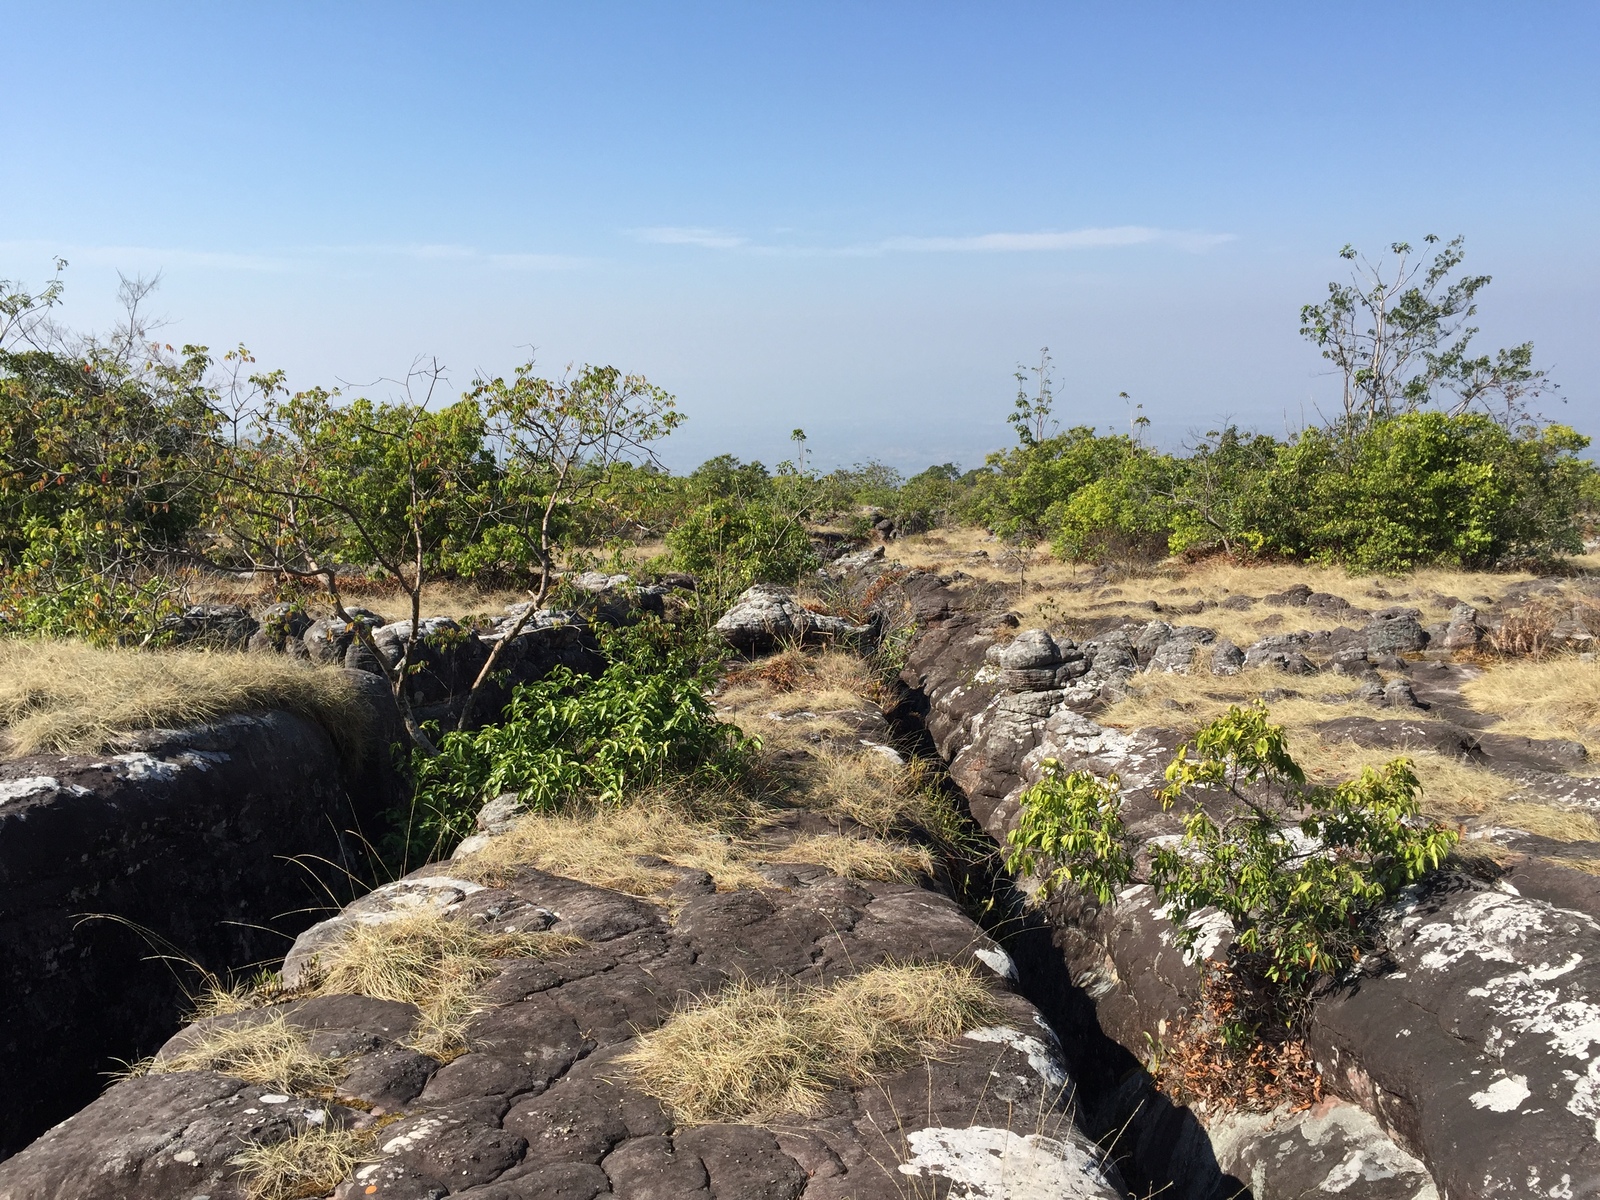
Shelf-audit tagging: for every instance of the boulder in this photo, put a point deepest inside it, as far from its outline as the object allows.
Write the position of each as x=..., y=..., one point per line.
x=1281, y=652
x=766, y=616
x=283, y=627
x=327, y=640
x=225, y=626
x=1395, y=631
x=857, y=560
x=1463, y=631
x=1226, y=658
x=1179, y=652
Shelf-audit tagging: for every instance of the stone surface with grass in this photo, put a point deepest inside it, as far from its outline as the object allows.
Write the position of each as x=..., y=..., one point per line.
x=1461, y=1046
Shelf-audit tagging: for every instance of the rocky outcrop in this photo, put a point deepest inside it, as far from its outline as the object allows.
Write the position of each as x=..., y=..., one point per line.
x=542, y=1104
x=765, y=617
x=212, y=844
x=1462, y=1062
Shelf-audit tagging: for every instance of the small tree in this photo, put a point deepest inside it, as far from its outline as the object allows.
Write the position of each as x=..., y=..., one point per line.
x=318, y=487
x=1398, y=333
x=555, y=441
x=1300, y=870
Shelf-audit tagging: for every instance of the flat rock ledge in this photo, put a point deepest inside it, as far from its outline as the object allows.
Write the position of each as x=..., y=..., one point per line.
x=540, y=1108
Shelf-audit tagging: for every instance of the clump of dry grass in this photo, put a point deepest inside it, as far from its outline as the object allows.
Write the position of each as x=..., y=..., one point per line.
x=72, y=697
x=1552, y=697
x=432, y=961
x=755, y=1052
x=604, y=847
x=858, y=857
x=310, y=1163
x=270, y=1053
x=794, y=679
x=1452, y=788
x=1546, y=820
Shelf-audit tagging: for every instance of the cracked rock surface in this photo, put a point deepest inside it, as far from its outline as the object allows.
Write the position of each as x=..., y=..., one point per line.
x=540, y=1106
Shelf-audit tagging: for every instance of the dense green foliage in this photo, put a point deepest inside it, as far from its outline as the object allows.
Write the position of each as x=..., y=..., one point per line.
x=572, y=738
x=124, y=462
x=1299, y=870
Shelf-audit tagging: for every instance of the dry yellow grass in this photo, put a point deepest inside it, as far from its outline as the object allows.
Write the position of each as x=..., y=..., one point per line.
x=1189, y=701
x=753, y=1053
x=1545, y=820
x=310, y=1163
x=1055, y=592
x=795, y=680
x=269, y=1052
x=1556, y=697
x=604, y=848
x=858, y=857
x=1451, y=787
x=71, y=697
x=432, y=961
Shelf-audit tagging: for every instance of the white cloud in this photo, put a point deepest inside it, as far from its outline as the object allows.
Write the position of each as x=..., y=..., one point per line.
x=1043, y=241
x=677, y=235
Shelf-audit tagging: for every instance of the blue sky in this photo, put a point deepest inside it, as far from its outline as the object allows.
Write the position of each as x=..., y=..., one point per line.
x=855, y=218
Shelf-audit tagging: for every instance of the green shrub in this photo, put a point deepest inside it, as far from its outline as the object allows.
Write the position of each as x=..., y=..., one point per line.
x=571, y=737
x=729, y=544
x=1428, y=487
x=1301, y=871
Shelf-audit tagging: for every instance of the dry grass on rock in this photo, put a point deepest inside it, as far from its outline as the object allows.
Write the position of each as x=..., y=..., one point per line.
x=432, y=961
x=859, y=857
x=755, y=1052
x=306, y=1164
x=612, y=848
x=75, y=698
x=269, y=1052
x=1541, y=698
x=1186, y=702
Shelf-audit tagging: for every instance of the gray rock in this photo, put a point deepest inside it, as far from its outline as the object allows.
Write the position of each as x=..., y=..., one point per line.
x=326, y=640
x=1226, y=658
x=1279, y=653
x=1150, y=639
x=857, y=560
x=1395, y=631
x=1397, y=693
x=1463, y=631
x=766, y=616
x=1177, y=654
x=226, y=626
x=501, y=813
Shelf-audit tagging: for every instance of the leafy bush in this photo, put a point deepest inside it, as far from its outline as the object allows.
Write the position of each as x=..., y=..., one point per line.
x=571, y=737
x=1428, y=487
x=1300, y=870
x=729, y=543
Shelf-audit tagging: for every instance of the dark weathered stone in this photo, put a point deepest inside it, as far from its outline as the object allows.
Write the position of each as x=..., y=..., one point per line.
x=218, y=841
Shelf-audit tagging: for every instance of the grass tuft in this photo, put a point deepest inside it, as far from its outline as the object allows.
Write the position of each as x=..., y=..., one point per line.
x=433, y=961
x=75, y=698
x=1542, y=698
x=270, y=1053
x=755, y=1052
x=858, y=857
x=307, y=1164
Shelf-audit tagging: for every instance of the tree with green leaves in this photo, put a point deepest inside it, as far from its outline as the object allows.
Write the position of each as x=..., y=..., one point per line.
x=555, y=441
x=1399, y=335
x=319, y=488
